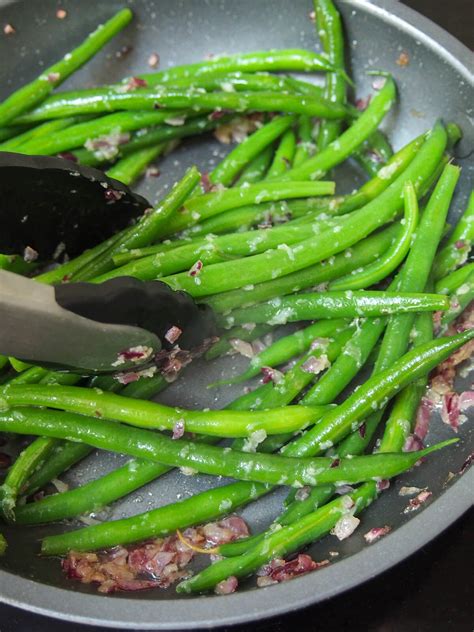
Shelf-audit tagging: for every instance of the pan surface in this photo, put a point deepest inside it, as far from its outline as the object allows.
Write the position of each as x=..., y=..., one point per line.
x=436, y=82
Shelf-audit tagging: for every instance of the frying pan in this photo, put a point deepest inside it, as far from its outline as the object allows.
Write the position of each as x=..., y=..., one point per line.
x=436, y=82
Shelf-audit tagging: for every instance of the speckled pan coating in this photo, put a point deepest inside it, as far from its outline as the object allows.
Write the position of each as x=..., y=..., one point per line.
x=436, y=82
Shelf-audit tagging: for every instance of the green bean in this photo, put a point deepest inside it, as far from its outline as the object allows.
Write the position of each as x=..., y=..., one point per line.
x=362, y=253
x=239, y=81
x=31, y=375
x=213, y=250
x=45, y=129
x=209, y=459
x=204, y=206
x=330, y=31
x=224, y=344
x=458, y=301
x=342, y=147
x=374, y=153
x=256, y=168
x=406, y=403
x=275, y=263
x=385, y=176
x=156, y=416
x=252, y=146
x=305, y=146
x=280, y=542
x=128, y=478
x=456, y=249
x=111, y=125
x=27, y=97
x=31, y=458
x=334, y=305
x=244, y=217
x=413, y=277
x=197, y=509
x=65, y=454
x=283, y=155
x=130, y=168
x=452, y=281
x=288, y=347
x=146, y=229
x=293, y=60
x=378, y=270
x=145, y=387
x=414, y=274
x=100, y=100
x=16, y=264
x=151, y=137
x=3, y=544
x=11, y=131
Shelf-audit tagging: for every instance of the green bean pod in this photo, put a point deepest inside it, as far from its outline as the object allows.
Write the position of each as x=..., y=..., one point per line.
x=456, y=250
x=458, y=302
x=329, y=28
x=283, y=155
x=27, y=97
x=310, y=306
x=31, y=458
x=342, y=147
x=451, y=282
x=152, y=415
x=252, y=146
x=291, y=60
x=397, y=252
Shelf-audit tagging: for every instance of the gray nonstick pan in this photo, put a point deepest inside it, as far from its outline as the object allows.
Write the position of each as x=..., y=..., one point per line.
x=437, y=81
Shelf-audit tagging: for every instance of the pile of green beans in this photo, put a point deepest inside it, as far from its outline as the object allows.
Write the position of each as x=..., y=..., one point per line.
x=263, y=241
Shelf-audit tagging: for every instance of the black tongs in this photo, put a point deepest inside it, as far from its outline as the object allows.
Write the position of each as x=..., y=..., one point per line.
x=119, y=325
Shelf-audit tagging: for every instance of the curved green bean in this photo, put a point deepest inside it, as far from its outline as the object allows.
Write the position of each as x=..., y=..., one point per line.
x=378, y=270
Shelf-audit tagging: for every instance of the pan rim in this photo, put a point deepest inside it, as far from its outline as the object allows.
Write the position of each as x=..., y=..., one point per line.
x=243, y=607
